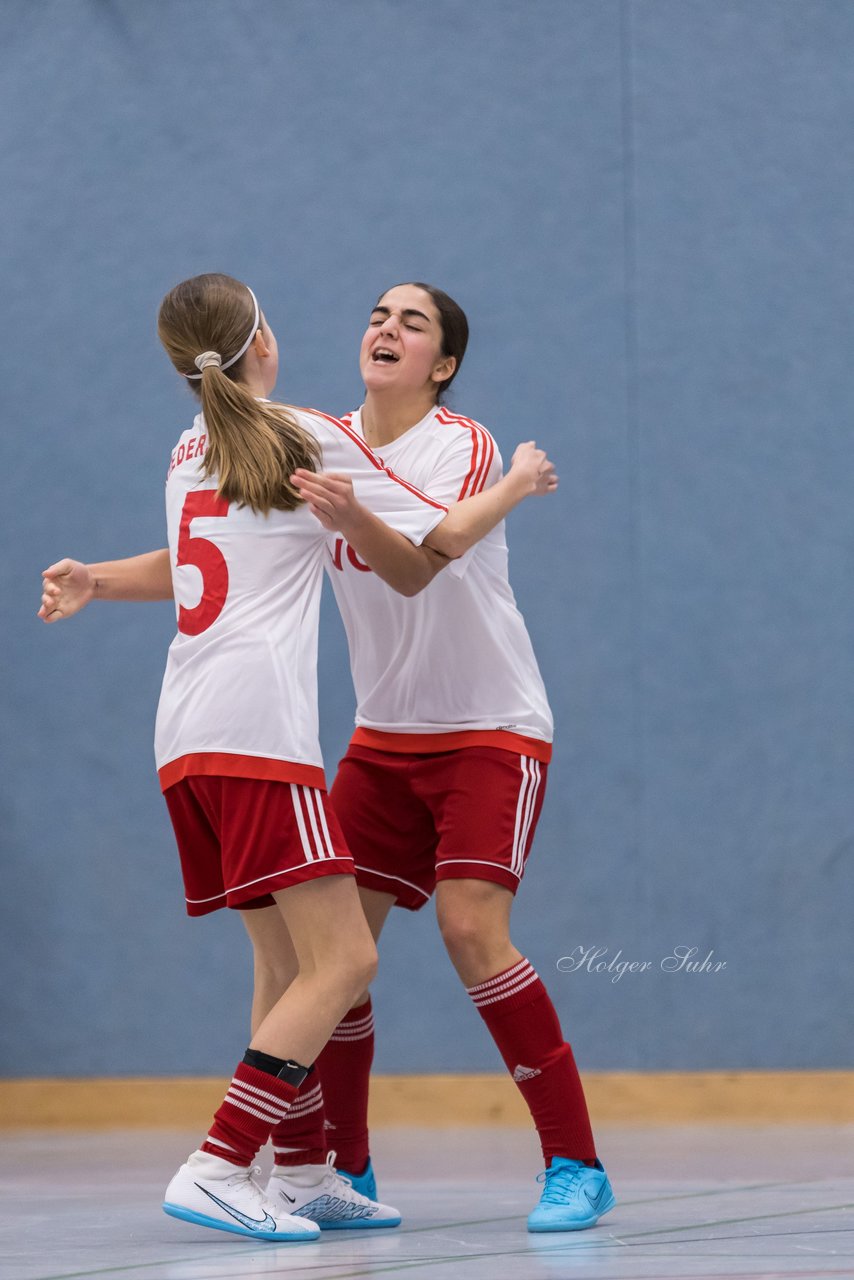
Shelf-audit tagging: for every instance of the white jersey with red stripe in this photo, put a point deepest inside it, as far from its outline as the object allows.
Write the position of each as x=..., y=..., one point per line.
x=453, y=665
x=239, y=695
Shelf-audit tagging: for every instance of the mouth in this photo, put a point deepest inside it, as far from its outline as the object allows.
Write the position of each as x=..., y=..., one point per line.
x=383, y=355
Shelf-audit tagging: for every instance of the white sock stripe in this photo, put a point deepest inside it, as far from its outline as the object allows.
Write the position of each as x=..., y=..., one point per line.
x=506, y=988
x=356, y=1022
x=262, y=1094
x=314, y=1091
x=215, y=1142
x=296, y=1112
x=310, y=1102
x=339, y=1036
x=499, y=979
x=298, y=814
x=504, y=995
x=260, y=1108
x=363, y=1024
x=262, y=1115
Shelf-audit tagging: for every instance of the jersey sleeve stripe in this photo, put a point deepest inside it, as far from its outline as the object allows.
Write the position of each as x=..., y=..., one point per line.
x=482, y=452
x=373, y=459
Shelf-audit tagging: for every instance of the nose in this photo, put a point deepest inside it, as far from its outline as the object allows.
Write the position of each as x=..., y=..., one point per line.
x=389, y=325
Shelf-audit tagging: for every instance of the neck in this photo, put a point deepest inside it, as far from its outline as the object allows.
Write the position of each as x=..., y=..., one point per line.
x=384, y=418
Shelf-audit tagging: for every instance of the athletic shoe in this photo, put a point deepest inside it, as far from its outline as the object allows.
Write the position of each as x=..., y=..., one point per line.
x=319, y=1193
x=574, y=1196
x=212, y=1192
x=365, y=1182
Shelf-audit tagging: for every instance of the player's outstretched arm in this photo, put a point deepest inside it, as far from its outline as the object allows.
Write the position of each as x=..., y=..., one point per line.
x=68, y=586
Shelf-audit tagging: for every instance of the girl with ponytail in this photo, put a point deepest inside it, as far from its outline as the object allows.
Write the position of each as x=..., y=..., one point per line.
x=236, y=740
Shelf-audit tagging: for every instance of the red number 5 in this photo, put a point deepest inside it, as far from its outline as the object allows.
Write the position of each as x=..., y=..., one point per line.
x=207, y=557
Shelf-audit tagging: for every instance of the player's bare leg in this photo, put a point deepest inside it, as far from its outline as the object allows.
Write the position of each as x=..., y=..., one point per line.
x=474, y=917
x=274, y=960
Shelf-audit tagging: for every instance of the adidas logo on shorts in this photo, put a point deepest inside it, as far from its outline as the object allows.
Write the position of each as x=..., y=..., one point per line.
x=525, y=1073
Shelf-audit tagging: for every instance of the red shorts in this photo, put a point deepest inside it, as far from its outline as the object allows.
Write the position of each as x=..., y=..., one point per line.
x=410, y=820
x=241, y=839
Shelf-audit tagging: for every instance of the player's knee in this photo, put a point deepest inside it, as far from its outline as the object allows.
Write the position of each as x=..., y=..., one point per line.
x=357, y=968
x=462, y=932
x=273, y=975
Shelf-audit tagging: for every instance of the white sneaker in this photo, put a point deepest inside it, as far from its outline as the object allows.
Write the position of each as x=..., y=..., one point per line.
x=317, y=1192
x=212, y=1192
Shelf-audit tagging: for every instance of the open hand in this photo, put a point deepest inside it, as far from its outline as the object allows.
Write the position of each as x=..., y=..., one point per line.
x=67, y=587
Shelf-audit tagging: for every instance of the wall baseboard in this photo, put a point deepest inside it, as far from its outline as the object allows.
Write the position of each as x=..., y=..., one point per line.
x=624, y=1098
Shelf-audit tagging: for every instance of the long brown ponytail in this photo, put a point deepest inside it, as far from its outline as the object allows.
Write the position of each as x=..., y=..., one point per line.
x=253, y=445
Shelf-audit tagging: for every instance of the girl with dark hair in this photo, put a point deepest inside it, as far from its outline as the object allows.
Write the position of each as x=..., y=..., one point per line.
x=240, y=769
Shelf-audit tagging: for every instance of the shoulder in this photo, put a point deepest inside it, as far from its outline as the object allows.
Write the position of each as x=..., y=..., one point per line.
x=314, y=420
x=331, y=431
x=451, y=424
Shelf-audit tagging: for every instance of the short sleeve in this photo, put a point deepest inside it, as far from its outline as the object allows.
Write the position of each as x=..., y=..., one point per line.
x=469, y=464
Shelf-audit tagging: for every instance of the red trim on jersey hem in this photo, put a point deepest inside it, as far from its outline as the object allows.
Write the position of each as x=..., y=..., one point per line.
x=436, y=743
x=225, y=764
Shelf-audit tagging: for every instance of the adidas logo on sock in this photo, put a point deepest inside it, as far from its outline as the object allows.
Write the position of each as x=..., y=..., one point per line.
x=525, y=1073
x=327, y=1124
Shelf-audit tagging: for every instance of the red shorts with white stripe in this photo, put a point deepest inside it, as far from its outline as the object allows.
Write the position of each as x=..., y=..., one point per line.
x=410, y=820
x=241, y=839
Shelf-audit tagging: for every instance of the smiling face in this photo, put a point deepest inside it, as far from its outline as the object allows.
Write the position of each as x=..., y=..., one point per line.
x=402, y=346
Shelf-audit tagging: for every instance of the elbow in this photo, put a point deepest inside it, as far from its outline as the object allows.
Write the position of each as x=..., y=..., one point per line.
x=411, y=587
x=449, y=544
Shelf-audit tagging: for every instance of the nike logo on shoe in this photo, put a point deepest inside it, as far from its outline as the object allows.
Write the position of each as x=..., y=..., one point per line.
x=267, y=1223
x=595, y=1200
x=521, y=1073
x=290, y=1199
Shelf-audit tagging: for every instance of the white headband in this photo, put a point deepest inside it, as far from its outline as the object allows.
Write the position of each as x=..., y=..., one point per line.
x=214, y=358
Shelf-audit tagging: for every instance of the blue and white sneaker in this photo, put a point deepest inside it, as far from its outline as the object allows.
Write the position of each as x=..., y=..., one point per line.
x=575, y=1196
x=210, y=1192
x=365, y=1182
x=324, y=1196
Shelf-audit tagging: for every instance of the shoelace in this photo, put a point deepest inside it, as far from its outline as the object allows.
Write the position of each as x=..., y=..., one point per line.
x=561, y=1182
x=341, y=1184
x=247, y=1177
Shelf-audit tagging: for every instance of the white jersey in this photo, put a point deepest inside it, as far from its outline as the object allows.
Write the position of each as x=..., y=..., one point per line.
x=239, y=694
x=452, y=666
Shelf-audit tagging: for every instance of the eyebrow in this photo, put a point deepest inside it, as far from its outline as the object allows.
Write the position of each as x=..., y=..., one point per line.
x=409, y=311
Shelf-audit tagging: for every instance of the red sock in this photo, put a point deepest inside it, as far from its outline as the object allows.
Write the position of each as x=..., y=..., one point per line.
x=524, y=1025
x=345, y=1068
x=300, y=1137
x=254, y=1104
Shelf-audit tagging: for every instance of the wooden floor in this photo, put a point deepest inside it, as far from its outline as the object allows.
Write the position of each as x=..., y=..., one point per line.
x=693, y=1201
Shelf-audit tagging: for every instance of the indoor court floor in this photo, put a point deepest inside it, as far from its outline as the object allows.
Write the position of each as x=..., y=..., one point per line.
x=694, y=1201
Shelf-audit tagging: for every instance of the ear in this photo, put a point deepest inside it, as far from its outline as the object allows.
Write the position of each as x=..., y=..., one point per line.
x=259, y=346
x=444, y=369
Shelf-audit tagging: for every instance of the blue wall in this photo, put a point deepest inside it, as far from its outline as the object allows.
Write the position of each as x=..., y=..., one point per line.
x=645, y=209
